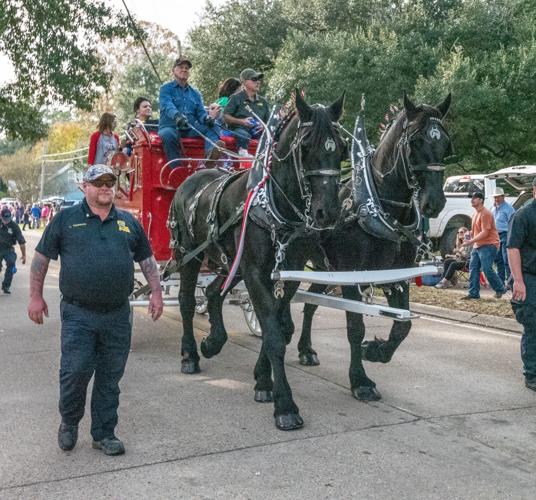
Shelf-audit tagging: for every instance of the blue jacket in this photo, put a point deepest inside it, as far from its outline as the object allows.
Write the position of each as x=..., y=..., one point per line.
x=176, y=100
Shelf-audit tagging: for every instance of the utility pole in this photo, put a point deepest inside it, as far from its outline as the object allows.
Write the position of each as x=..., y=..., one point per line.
x=42, y=186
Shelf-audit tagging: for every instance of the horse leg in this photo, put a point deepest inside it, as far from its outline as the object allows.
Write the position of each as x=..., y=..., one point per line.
x=269, y=311
x=307, y=355
x=214, y=342
x=362, y=387
x=263, y=378
x=380, y=350
x=188, y=283
x=287, y=325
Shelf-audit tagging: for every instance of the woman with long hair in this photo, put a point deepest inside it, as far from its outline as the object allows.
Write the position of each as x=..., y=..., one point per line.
x=104, y=142
x=455, y=261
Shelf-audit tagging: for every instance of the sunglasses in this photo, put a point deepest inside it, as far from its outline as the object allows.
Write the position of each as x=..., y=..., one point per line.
x=101, y=182
x=255, y=79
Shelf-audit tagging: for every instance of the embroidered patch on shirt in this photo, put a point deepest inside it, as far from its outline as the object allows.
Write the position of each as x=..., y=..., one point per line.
x=79, y=225
x=122, y=226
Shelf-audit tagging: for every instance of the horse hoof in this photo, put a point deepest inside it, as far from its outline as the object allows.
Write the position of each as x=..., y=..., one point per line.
x=366, y=393
x=289, y=422
x=264, y=397
x=210, y=348
x=190, y=366
x=309, y=359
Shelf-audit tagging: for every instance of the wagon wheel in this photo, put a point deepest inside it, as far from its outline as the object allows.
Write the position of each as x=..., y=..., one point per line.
x=200, y=300
x=251, y=318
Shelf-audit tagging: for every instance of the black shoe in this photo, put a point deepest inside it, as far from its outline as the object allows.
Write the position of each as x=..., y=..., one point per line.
x=67, y=436
x=498, y=295
x=469, y=297
x=6, y=290
x=110, y=446
x=530, y=383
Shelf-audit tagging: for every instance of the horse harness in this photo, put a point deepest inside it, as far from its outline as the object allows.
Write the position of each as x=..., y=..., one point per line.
x=371, y=213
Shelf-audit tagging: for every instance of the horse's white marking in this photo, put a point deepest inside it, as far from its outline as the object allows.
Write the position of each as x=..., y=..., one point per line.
x=434, y=133
x=330, y=144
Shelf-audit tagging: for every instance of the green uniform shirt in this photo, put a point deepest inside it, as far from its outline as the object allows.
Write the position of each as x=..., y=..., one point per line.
x=97, y=256
x=522, y=235
x=236, y=107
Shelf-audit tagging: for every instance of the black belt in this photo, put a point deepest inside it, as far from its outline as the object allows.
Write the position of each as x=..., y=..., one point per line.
x=101, y=308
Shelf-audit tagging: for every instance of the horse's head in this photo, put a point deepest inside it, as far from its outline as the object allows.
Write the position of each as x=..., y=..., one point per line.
x=425, y=144
x=319, y=151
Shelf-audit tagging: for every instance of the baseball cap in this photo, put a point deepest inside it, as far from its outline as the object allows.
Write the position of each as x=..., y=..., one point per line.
x=5, y=213
x=534, y=182
x=96, y=171
x=248, y=74
x=182, y=60
x=477, y=194
x=498, y=192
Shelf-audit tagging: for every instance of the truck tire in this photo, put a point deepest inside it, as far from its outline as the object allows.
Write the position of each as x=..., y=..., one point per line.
x=448, y=240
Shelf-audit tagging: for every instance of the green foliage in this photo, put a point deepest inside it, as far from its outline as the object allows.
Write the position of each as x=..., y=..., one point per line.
x=51, y=44
x=483, y=51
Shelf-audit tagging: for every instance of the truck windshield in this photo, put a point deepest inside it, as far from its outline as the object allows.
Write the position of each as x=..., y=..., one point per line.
x=463, y=185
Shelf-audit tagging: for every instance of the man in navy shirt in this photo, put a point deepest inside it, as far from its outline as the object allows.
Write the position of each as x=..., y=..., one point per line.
x=97, y=244
x=183, y=114
x=522, y=258
x=10, y=234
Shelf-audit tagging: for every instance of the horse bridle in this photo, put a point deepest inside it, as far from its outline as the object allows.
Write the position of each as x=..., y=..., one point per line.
x=434, y=128
x=303, y=176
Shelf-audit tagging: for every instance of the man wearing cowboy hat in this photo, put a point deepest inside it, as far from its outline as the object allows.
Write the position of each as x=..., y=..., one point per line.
x=502, y=213
x=522, y=258
x=10, y=234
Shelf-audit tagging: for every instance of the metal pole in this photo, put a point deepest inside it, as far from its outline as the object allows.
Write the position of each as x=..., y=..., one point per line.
x=42, y=187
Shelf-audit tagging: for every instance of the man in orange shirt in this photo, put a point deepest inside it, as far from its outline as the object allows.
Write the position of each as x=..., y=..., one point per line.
x=485, y=241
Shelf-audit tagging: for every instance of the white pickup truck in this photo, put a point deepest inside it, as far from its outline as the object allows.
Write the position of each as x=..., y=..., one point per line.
x=458, y=211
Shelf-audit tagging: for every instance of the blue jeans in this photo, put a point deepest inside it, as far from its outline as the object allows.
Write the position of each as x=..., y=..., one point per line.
x=501, y=261
x=483, y=258
x=525, y=313
x=93, y=343
x=244, y=135
x=170, y=141
x=10, y=257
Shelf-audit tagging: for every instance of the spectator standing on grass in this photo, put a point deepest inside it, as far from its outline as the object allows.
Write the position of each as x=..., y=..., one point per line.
x=455, y=261
x=502, y=213
x=485, y=241
x=522, y=258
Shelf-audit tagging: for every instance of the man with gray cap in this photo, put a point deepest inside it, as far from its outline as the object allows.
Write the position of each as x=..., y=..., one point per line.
x=238, y=113
x=97, y=244
x=10, y=235
x=502, y=213
x=183, y=114
x=522, y=258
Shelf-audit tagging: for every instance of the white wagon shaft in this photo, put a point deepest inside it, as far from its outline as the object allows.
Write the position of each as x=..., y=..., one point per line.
x=355, y=278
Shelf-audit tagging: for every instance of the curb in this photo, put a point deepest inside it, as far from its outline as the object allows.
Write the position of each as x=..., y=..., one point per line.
x=486, y=320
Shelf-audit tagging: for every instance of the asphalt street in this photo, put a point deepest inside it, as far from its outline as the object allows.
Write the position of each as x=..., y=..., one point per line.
x=455, y=420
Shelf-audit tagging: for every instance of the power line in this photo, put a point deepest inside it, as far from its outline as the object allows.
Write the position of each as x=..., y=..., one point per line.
x=140, y=39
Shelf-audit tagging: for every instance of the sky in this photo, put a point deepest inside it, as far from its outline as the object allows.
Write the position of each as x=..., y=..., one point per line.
x=176, y=15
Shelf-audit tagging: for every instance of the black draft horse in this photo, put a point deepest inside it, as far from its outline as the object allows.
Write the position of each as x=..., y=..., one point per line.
x=302, y=191
x=408, y=162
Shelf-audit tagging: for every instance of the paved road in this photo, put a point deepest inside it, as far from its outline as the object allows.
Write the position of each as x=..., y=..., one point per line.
x=455, y=420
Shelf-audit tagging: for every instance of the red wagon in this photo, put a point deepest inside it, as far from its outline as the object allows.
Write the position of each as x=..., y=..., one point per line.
x=147, y=184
